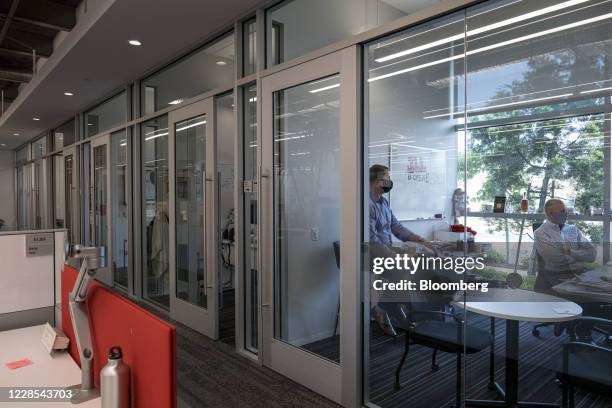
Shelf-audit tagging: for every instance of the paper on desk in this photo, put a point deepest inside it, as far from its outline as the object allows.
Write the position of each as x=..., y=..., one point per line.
x=13, y=365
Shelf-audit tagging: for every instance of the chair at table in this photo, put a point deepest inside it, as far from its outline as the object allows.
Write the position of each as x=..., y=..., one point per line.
x=586, y=366
x=440, y=331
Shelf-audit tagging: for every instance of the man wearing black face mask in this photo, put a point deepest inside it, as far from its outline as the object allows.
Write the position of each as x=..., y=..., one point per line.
x=383, y=224
x=562, y=249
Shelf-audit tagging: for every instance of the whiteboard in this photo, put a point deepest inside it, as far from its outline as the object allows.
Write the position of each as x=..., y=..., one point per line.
x=419, y=182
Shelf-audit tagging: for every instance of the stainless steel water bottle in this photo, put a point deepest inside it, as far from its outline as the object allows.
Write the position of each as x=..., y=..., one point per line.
x=115, y=381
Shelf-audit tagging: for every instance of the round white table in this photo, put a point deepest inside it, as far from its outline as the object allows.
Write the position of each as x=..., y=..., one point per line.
x=515, y=305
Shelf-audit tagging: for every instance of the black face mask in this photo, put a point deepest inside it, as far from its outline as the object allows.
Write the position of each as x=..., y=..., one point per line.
x=387, y=186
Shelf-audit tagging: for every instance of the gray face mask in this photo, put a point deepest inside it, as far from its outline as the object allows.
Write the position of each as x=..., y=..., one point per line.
x=559, y=218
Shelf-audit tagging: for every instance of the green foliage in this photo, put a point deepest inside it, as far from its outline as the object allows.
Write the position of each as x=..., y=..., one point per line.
x=543, y=155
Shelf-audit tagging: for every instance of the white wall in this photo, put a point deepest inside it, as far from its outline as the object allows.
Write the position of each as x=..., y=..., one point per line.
x=7, y=188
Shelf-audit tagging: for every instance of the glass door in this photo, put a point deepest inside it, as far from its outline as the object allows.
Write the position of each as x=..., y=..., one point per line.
x=308, y=122
x=100, y=202
x=194, y=279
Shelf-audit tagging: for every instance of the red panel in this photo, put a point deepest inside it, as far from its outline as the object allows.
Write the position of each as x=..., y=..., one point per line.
x=148, y=343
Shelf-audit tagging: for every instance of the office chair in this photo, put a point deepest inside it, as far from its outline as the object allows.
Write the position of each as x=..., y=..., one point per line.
x=337, y=254
x=440, y=334
x=585, y=366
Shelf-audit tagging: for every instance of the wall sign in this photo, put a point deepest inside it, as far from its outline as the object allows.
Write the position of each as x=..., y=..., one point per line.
x=39, y=244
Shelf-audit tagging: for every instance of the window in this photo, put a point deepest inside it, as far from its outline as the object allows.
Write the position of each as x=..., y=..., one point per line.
x=294, y=28
x=249, y=47
x=22, y=155
x=120, y=177
x=39, y=148
x=107, y=115
x=205, y=69
x=155, y=216
x=64, y=135
x=473, y=113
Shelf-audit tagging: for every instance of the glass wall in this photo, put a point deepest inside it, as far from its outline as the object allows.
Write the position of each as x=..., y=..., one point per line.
x=191, y=207
x=226, y=260
x=154, y=211
x=294, y=28
x=107, y=115
x=498, y=151
x=249, y=47
x=249, y=152
x=421, y=157
x=59, y=192
x=307, y=216
x=64, y=135
x=205, y=69
x=24, y=190
x=39, y=148
x=120, y=181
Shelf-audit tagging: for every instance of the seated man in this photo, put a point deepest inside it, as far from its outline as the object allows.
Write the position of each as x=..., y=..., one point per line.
x=562, y=249
x=383, y=227
x=383, y=224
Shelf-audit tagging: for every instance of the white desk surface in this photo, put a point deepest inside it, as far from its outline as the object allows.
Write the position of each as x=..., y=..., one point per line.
x=58, y=370
x=523, y=305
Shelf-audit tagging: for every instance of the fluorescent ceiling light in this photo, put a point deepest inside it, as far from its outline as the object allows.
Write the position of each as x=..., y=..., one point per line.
x=191, y=125
x=221, y=63
x=498, y=45
x=68, y=93
x=596, y=90
x=15, y=134
x=156, y=136
x=503, y=105
x=175, y=102
x=325, y=88
x=135, y=43
x=484, y=29
x=90, y=124
x=35, y=119
x=2, y=144
x=254, y=99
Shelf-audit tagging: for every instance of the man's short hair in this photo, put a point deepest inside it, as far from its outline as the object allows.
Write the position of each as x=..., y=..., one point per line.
x=377, y=172
x=550, y=203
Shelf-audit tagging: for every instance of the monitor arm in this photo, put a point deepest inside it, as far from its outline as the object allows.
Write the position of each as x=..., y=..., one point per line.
x=91, y=260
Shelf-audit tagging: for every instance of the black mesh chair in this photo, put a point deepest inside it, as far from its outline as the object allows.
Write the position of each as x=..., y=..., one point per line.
x=586, y=366
x=440, y=331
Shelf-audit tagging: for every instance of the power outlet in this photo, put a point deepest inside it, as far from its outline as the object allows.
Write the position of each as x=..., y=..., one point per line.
x=314, y=234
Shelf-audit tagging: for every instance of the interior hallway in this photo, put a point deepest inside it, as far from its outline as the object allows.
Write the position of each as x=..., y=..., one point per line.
x=211, y=374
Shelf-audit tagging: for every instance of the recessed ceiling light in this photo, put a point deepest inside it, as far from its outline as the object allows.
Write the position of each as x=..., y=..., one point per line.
x=15, y=134
x=135, y=43
x=68, y=94
x=175, y=102
x=2, y=144
x=221, y=63
x=35, y=119
x=90, y=124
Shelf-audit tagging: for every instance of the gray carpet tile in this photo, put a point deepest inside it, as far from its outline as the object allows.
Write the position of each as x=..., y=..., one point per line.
x=211, y=374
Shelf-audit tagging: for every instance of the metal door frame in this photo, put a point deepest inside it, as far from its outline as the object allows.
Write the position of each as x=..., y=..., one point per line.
x=206, y=321
x=341, y=383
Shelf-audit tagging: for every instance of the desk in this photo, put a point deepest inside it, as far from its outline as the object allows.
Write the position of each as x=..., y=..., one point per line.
x=58, y=370
x=576, y=291
x=516, y=305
